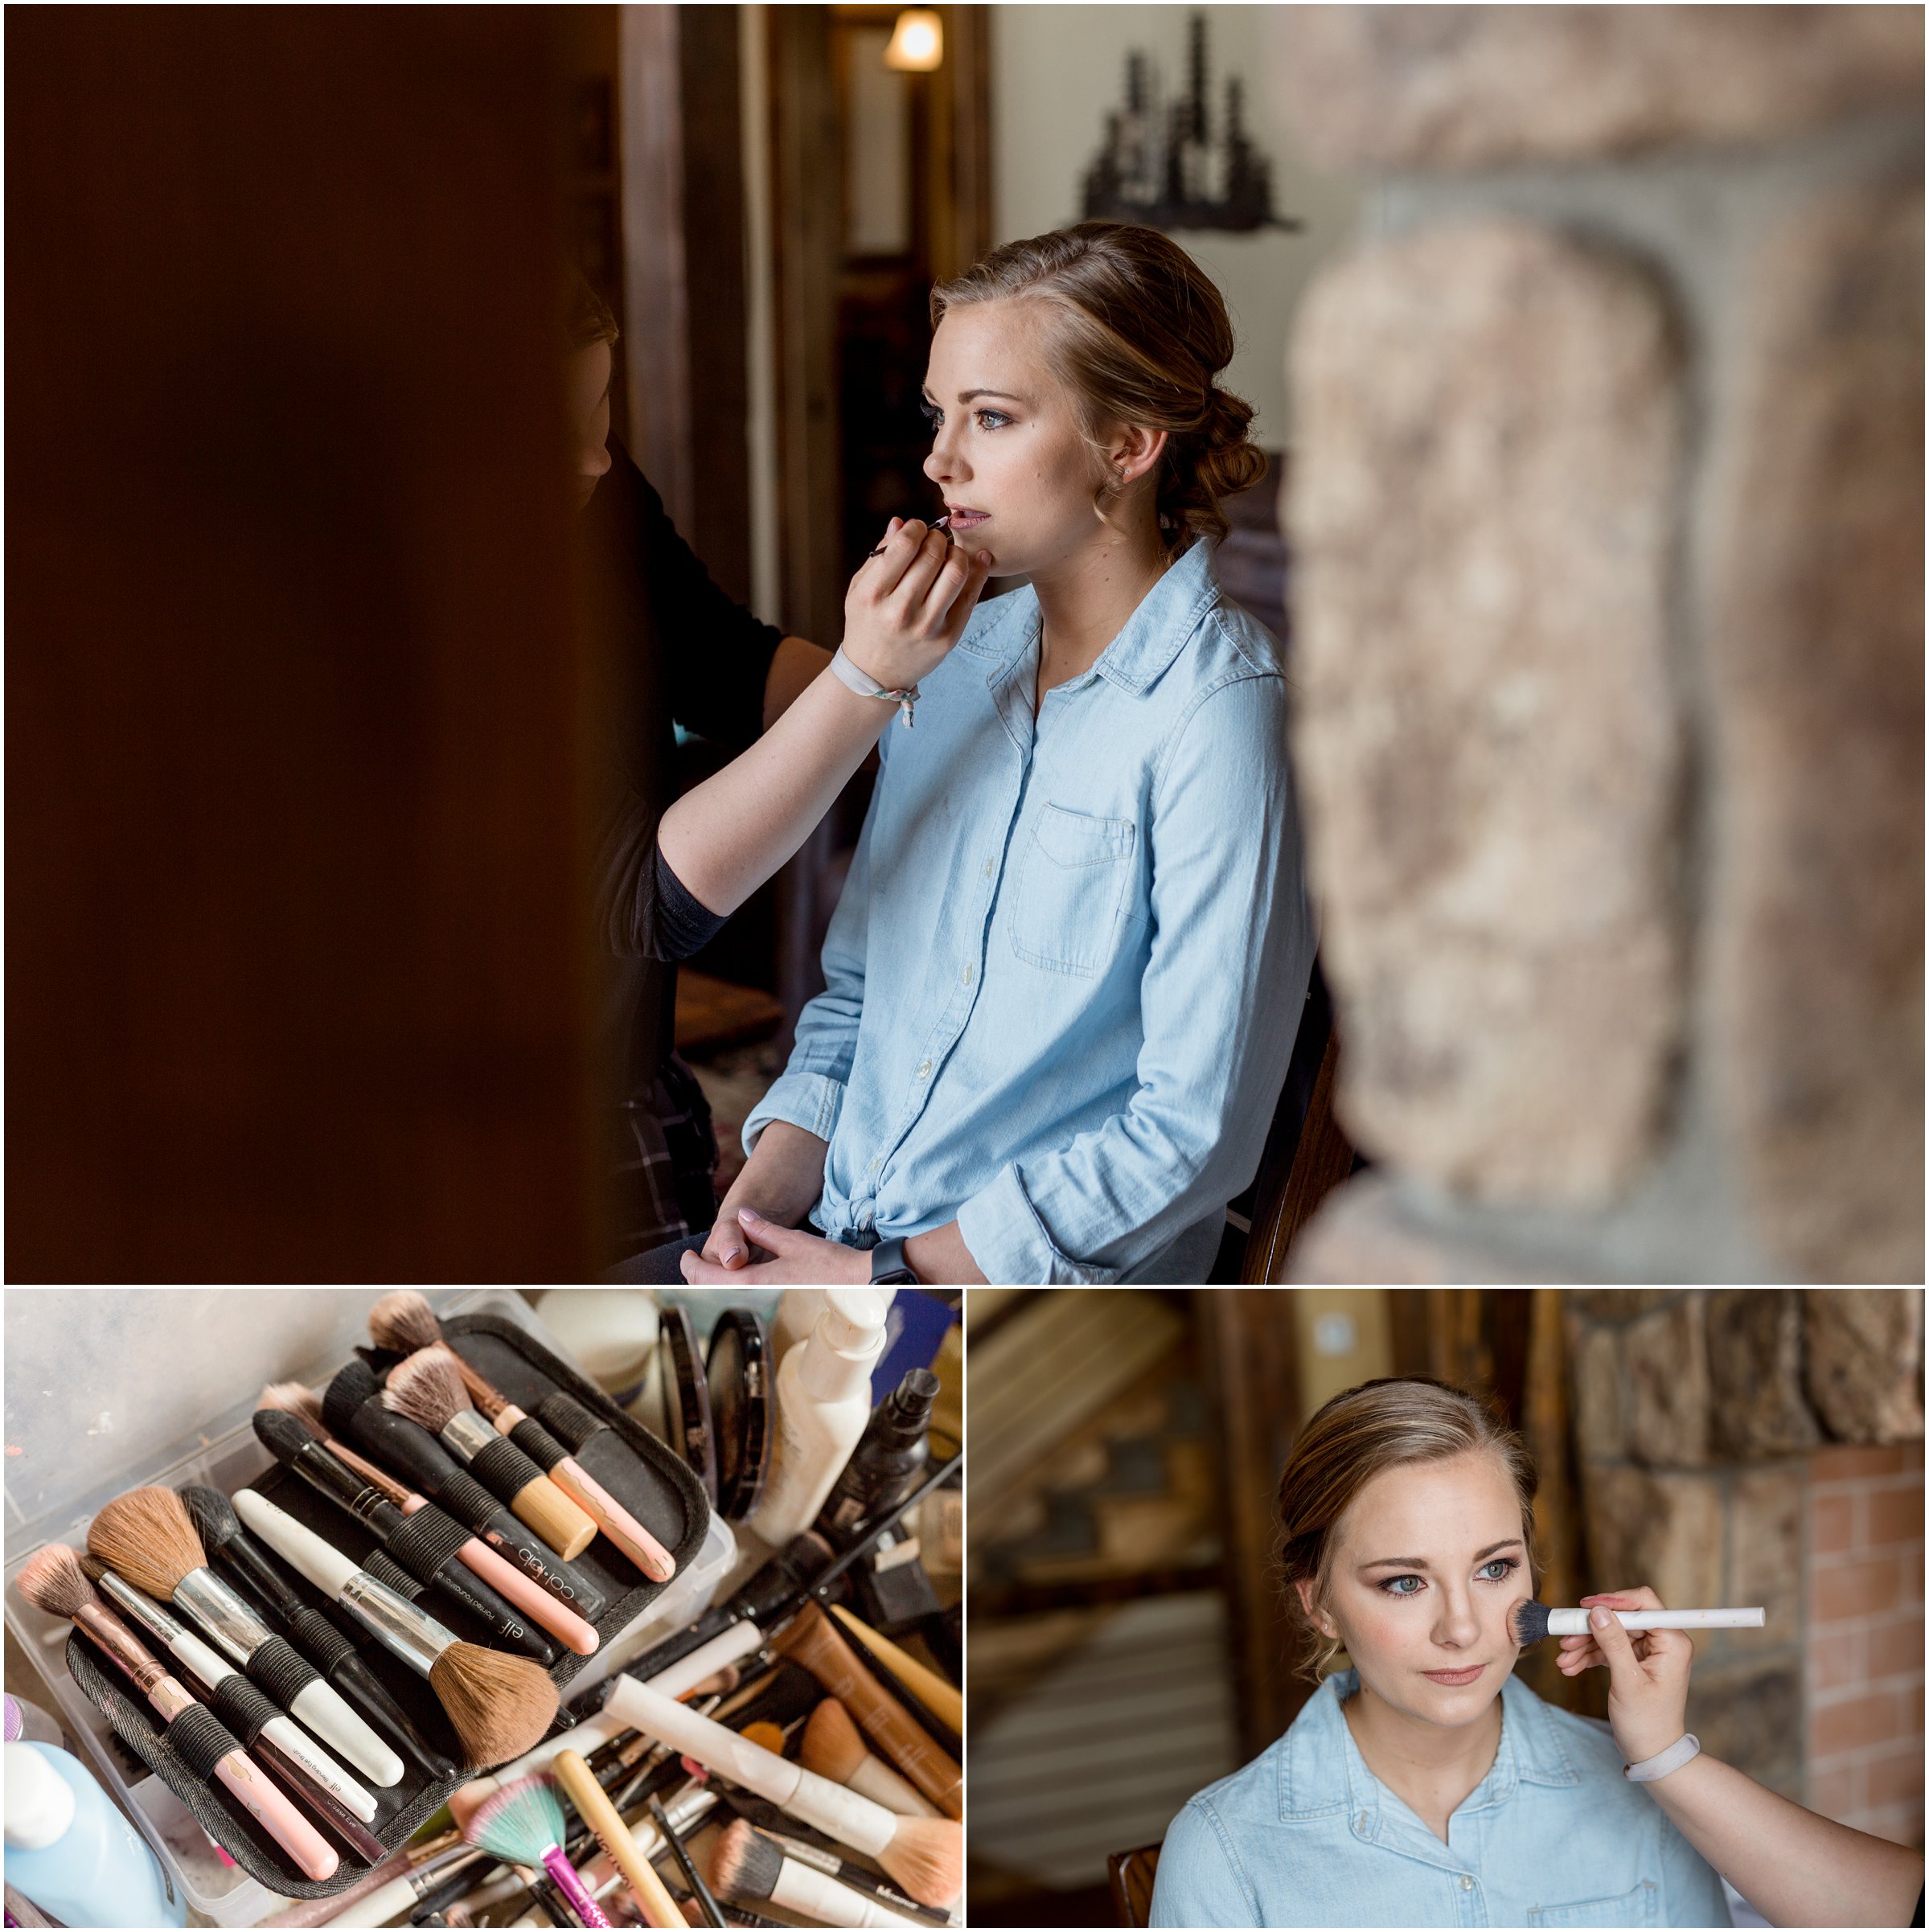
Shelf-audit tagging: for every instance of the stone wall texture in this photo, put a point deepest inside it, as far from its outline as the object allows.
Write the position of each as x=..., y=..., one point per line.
x=1817, y=661
x=1606, y=522
x=1810, y=1506
x=1480, y=518
x=1460, y=87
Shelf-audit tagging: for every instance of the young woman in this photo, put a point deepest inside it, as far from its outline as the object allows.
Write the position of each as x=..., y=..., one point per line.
x=1425, y=1786
x=677, y=652
x=1065, y=973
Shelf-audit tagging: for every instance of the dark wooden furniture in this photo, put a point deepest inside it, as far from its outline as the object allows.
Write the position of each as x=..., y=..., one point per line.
x=1132, y=1874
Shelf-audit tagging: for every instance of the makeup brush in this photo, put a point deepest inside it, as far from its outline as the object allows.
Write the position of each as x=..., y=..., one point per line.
x=147, y=1536
x=302, y=1407
x=255, y=1721
x=425, y=1545
x=1533, y=1620
x=926, y=1856
x=782, y=1832
x=833, y=1750
x=331, y=1652
x=353, y=1408
x=405, y=1321
x=54, y=1580
x=815, y=1643
x=499, y=1706
x=593, y=1807
x=427, y=1387
x=744, y=1863
x=943, y=1700
x=693, y=1877
x=522, y=1824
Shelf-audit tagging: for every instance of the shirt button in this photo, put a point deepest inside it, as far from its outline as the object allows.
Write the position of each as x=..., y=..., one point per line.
x=964, y=978
x=989, y=866
x=877, y=1163
x=924, y=1070
x=1361, y=1826
x=1466, y=1884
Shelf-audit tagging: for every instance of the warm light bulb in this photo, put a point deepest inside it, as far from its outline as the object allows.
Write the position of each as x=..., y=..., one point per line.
x=917, y=41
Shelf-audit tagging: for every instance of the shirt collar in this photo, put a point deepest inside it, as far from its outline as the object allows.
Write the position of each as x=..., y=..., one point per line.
x=1321, y=1769
x=1154, y=635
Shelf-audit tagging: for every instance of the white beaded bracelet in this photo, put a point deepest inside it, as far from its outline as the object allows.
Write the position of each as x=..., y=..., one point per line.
x=1684, y=1747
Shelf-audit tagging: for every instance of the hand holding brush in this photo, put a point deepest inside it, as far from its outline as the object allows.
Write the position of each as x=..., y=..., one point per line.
x=405, y=1321
x=500, y=1706
x=148, y=1536
x=54, y=1582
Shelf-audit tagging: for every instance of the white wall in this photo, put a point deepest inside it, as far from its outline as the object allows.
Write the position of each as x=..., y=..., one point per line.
x=1056, y=70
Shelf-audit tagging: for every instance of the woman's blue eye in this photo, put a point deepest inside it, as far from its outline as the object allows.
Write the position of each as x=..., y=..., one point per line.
x=992, y=419
x=1506, y=1565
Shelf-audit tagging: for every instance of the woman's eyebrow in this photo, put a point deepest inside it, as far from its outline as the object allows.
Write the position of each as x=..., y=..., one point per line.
x=1421, y=1562
x=970, y=396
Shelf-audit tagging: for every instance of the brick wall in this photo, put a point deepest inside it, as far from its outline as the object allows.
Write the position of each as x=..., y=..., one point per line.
x=1703, y=1421
x=1864, y=1639
x=1605, y=512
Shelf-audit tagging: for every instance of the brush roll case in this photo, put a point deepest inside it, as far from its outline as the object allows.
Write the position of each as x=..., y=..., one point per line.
x=642, y=1473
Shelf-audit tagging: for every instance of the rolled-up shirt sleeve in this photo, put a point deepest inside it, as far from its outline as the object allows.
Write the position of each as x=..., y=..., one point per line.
x=1232, y=950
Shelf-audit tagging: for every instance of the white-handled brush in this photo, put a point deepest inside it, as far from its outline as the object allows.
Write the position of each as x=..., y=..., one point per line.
x=1533, y=1620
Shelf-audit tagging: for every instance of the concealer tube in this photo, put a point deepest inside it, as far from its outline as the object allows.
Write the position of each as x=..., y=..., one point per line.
x=811, y=1639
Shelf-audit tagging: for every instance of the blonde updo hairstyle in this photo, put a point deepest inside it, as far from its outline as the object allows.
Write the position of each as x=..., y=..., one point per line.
x=1140, y=332
x=1386, y=1424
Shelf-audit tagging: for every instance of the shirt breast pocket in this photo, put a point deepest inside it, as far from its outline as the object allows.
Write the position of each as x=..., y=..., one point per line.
x=1065, y=914
x=1635, y=1908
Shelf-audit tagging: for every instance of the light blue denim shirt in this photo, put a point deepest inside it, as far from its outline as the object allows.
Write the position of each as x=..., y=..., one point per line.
x=1066, y=972
x=1553, y=1835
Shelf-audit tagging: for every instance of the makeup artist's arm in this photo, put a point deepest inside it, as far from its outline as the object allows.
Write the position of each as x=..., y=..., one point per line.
x=794, y=664
x=905, y=610
x=1795, y=1868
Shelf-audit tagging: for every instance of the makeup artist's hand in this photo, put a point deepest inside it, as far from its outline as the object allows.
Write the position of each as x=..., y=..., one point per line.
x=794, y=1255
x=1647, y=1672
x=910, y=604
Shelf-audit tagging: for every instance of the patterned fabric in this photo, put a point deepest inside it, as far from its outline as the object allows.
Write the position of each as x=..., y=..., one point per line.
x=666, y=1162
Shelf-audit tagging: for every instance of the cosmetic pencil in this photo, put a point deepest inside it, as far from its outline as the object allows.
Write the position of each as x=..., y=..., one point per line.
x=148, y=1537
x=700, y=1890
x=815, y=1643
x=352, y=1408
x=426, y=1544
x=427, y=1387
x=499, y=1706
x=1533, y=1620
x=262, y=1729
x=404, y=1320
x=926, y=1856
x=553, y=1611
x=54, y=1580
x=332, y=1652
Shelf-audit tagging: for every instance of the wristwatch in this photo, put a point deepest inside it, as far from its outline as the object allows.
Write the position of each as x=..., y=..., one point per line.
x=868, y=686
x=888, y=1262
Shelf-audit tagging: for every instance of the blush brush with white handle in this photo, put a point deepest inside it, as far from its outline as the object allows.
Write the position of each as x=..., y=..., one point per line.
x=1533, y=1620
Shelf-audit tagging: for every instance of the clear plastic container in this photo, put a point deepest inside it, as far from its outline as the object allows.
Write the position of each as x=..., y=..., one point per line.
x=62, y=1466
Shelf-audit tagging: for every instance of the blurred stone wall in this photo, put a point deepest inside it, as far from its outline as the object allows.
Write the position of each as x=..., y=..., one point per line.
x=1607, y=520
x=1740, y=1446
